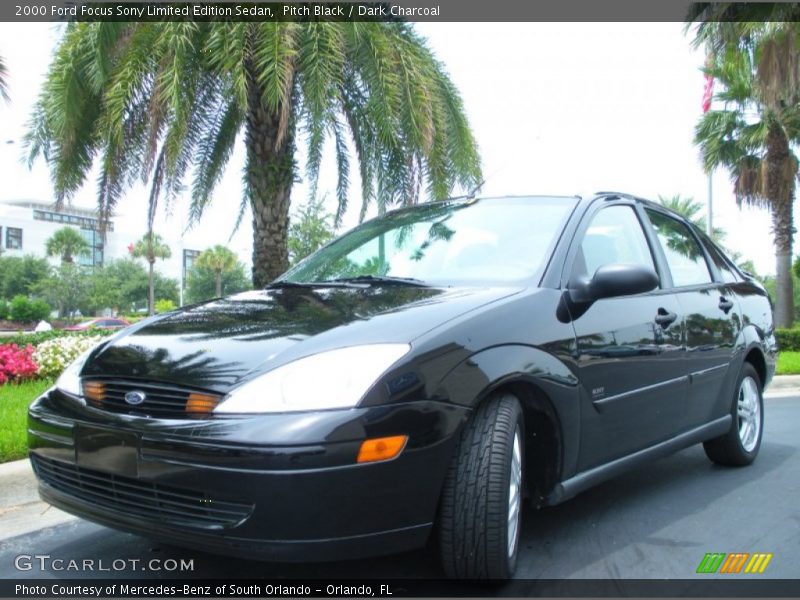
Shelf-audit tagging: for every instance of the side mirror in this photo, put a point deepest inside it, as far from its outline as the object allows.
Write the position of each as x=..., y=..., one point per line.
x=610, y=281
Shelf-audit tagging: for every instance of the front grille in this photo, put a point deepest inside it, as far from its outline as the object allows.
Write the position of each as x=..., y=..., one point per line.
x=151, y=501
x=160, y=400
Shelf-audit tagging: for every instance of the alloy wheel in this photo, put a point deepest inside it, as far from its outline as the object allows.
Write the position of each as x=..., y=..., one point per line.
x=748, y=411
x=514, y=494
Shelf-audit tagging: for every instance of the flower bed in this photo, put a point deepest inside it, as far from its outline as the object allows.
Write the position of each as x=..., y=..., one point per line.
x=47, y=354
x=53, y=356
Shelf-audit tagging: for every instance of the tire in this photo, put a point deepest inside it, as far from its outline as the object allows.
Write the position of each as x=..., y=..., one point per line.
x=478, y=536
x=739, y=447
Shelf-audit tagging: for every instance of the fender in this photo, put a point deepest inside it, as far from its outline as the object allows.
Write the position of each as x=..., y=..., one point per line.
x=753, y=337
x=493, y=367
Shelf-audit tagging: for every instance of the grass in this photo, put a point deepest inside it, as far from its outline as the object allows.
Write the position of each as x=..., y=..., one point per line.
x=789, y=363
x=14, y=401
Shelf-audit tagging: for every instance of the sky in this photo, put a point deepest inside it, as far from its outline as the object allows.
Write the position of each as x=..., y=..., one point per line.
x=557, y=108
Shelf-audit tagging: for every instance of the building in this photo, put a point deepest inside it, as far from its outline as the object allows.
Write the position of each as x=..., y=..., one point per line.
x=26, y=225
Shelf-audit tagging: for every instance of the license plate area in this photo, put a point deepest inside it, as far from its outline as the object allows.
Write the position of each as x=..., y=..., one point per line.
x=107, y=450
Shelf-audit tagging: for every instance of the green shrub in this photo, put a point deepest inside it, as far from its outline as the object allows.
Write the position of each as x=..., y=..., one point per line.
x=164, y=305
x=4, y=310
x=40, y=309
x=34, y=339
x=25, y=310
x=788, y=339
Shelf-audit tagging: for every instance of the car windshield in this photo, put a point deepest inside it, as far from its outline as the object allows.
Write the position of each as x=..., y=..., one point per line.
x=490, y=241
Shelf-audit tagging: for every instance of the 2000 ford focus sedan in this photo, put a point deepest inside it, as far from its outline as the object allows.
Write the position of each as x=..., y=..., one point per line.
x=422, y=375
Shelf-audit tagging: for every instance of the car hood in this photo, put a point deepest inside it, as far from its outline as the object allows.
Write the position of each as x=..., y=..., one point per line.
x=217, y=344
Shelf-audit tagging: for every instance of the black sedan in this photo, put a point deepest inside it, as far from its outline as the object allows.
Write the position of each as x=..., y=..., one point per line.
x=423, y=375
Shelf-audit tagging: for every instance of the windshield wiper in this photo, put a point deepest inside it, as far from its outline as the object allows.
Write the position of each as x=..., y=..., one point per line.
x=283, y=283
x=386, y=279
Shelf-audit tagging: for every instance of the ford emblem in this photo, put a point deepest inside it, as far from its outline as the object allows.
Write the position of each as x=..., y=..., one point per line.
x=135, y=398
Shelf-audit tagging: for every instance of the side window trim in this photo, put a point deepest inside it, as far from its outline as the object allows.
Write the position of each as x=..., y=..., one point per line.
x=586, y=220
x=664, y=272
x=711, y=247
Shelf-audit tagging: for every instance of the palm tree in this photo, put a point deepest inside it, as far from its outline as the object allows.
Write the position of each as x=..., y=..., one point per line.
x=157, y=100
x=3, y=80
x=67, y=243
x=151, y=247
x=691, y=210
x=220, y=260
x=767, y=30
x=753, y=140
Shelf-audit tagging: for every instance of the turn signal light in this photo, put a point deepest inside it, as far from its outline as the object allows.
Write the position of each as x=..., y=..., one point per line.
x=378, y=449
x=201, y=404
x=94, y=391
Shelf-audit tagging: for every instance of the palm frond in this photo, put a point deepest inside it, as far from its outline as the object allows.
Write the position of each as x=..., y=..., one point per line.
x=159, y=102
x=3, y=80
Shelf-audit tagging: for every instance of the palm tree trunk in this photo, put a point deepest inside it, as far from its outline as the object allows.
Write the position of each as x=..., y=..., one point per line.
x=781, y=173
x=218, y=282
x=151, y=300
x=269, y=174
x=782, y=225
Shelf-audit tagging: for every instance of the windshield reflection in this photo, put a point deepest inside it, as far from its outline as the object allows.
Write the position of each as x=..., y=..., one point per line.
x=485, y=242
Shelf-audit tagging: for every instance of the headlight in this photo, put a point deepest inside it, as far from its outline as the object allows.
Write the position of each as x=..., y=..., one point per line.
x=334, y=379
x=70, y=381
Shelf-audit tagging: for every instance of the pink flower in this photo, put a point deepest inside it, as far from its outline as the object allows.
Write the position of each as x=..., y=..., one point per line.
x=16, y=363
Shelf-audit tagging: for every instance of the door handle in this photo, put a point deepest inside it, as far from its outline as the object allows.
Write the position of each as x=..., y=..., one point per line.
x=665, y=318
x=725, y=304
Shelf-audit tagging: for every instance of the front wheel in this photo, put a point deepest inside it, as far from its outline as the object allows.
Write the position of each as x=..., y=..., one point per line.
x=740, y=445
x=480, y=514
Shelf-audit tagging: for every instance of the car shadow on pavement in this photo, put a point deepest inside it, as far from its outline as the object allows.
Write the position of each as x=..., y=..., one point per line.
x=656, y=521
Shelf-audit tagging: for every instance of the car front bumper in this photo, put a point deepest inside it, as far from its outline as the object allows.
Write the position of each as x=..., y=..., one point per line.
x=280, y=487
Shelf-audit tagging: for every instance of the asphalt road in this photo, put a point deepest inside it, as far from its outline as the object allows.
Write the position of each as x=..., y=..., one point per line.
x=653, y=522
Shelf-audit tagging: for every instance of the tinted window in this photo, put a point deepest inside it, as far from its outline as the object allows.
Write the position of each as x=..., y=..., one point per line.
x=614, y=236
x=684, y=255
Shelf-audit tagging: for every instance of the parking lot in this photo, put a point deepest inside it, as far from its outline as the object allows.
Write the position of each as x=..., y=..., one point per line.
x=654, y=522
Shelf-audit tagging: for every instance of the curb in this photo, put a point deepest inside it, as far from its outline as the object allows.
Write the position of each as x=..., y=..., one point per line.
x=785, y=383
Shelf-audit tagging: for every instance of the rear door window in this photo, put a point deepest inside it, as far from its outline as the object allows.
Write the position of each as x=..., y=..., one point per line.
x=685, y=257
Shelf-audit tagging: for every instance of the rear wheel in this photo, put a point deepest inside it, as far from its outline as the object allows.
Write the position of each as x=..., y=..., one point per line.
x=480, y=515
x=740, y=445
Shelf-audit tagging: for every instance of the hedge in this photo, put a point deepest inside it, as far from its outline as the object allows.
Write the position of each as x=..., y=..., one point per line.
x=788, y=339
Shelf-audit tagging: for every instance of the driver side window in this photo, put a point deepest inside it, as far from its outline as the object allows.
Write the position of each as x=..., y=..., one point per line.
x=614, y=236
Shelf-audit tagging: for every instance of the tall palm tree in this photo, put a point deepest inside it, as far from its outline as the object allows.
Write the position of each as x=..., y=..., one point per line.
x=151, y=247
x=67, y=243
x=3, y=80
x=157, y=100
x=753, y=140
x=219, y=260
